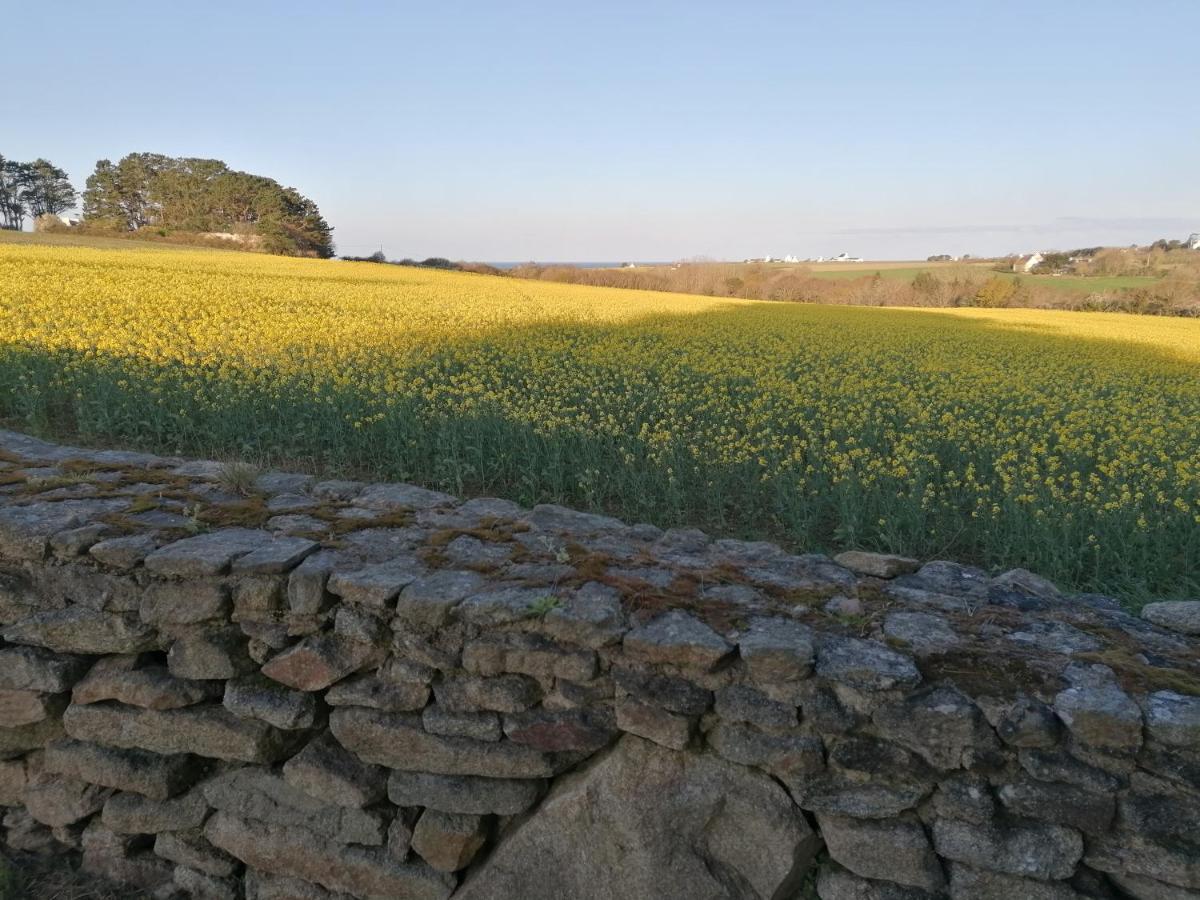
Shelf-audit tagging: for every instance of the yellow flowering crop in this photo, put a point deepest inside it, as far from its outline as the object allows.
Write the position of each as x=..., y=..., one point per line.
x=1065, y=442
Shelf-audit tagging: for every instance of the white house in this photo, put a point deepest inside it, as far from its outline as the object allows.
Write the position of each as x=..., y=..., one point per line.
x=69, y=219
x=845, y=257
x=1027, y=263
x=1193, y=242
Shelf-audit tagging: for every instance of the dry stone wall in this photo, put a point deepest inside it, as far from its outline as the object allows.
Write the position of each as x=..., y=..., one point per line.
x=218, y=684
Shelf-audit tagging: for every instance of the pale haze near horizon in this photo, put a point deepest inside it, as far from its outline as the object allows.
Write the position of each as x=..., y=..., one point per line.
x=657, y=131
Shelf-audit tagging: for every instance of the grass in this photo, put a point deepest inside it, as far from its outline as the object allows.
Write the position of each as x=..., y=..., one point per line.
x=1066, y=443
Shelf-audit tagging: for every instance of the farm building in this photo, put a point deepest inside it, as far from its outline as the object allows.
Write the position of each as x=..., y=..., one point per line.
x=1027, y=263
x=1193, y=241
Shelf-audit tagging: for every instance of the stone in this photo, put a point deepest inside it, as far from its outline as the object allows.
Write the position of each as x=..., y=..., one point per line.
x=1055, y=637
x=258, y=697
x=1182, y=616
x=573, y=730
x=374, y=692
x=143, y=872
x=376, y=585
x=554, y=518
x=1143, y=888
x=19, y=708
x=426, y=602
x=679, y=639
x=841, y=606
x=655, y=724
x=199, y=885
x=19, y=740
x=941, y=725
x=36, y=669
x=76, y=541
x=925, y=633
x=189, y=848
x=470, y=552
x=126, y=680
x=294, y=852
x=502, y=605
x=261, y=886
x=528, y=654
x=317, y=662
x=1158, y=811
x=896, y=850
x=25, y=530
x=258, y=598
x=396, y=740
x=1032, y=851
x=150, y=774
x=481, y=726
x=865, y=665
x=392, y=497
x=949, y=578
x=1061, y=804
x=677, y=695
x=876, y=565
x=1101, y=715
x=505, y=693
x=78, y=629
x=210, y=731
x=57, y=800
x=835, y=793
x=306, y=591
x=968, y=883
x=1057, y=766
x=166, y=603
x=448, y=841
x=786, y=756
x=591, y=616
x=265, y=796
x=967, y=798
x=129, y=813
x=1173, y=719
x=655, y=823
x=835, y=883
x=360, y=624
x=211, y=655
x=280, y=555
x=464, y=794
x=328, y=772
x=284, y=483
x=740, y=703
x=1029, y=723
x=13, y=777
x=1122, y=853
x=206, y=554
x=124, y=553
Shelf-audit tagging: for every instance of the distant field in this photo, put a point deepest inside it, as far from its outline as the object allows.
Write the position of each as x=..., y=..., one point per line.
x=69, y=239
x=1063, y=442
x=901, y=271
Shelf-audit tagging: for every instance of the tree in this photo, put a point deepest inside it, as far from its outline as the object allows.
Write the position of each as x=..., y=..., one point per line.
x=12, y=181
x=46, y=190
x=204, y=195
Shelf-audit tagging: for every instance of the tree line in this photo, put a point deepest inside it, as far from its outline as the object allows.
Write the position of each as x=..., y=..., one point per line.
x=149, y=195
x=32, y=189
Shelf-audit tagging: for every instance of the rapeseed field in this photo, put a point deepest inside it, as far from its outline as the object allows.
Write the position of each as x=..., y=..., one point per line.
x=1068, y=443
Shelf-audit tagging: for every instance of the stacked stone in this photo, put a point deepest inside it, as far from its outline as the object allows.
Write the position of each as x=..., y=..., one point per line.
x=380, y=691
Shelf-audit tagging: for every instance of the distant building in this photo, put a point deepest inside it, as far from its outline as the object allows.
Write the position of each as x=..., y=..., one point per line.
x=1028, y=263
x=69, y=219
x=845, y=257
x=1193, y=242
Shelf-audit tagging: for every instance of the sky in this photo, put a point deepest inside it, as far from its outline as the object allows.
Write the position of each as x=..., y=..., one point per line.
x=646, y=131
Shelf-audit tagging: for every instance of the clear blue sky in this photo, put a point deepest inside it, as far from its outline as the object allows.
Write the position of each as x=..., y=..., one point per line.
x=611, y=131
